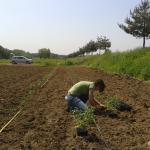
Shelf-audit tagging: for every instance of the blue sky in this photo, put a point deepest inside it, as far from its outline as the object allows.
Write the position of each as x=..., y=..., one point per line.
x=64, y=25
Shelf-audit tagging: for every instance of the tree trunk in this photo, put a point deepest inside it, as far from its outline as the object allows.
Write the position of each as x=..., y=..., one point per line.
x=144, y=42
x=144, y=35
x=99, y=51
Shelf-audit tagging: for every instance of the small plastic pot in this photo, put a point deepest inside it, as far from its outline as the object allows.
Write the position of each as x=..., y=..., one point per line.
x=81, y=132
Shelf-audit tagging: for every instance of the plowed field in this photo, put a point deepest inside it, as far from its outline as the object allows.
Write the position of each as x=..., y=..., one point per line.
x=44, y=123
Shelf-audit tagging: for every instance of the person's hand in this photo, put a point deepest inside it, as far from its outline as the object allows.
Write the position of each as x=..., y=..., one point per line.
x=101, y=106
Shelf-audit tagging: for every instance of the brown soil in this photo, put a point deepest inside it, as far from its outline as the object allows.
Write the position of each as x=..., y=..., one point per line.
x=15, y=82
x=44, y=123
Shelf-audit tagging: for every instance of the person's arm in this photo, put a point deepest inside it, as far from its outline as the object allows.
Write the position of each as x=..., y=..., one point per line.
x=92, y=100
x=98, y=103
x=91, y=97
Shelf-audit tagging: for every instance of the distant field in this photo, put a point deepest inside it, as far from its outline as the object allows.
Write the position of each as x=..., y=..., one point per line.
x=49, y=62
x=135, y=63
x=4, y=61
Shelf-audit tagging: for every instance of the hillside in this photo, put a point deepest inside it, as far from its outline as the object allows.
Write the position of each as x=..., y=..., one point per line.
x=135, y=63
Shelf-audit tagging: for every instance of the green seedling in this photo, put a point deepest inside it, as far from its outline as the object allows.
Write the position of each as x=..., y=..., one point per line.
x=115, y=103
x=98, y=96
x=112, y=103
x=83, y=119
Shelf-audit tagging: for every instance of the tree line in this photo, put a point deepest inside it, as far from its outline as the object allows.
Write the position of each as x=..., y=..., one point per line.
x=42, y=53
x=102, y=43
x=6, y=53
x=137, y=24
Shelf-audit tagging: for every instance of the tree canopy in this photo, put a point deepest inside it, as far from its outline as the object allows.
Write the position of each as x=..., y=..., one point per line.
x=44, y=53
x=102, y=43
x=4, y=53
x=138, y=24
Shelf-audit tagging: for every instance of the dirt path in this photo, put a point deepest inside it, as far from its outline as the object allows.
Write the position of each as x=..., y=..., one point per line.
x=44, y=123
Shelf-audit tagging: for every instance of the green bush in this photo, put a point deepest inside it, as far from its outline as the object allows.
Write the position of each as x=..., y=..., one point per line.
x=68, y=63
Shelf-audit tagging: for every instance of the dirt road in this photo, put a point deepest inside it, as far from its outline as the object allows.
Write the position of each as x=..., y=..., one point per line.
x=44, y=123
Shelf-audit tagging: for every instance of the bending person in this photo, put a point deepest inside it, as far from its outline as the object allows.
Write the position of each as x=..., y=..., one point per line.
x=82, y=93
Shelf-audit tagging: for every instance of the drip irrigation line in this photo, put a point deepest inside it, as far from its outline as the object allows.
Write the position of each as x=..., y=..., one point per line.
x=99, y=130
x=10, y=121
x=49, y=76
x=21, y=108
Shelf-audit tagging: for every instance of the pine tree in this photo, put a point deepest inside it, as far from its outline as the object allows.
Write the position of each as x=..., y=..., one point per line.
x=138, y=24
x=103, y=43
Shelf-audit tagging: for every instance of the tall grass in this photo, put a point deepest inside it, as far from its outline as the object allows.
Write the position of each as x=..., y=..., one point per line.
x=4, y=61
x=58, y=62
x=135, y=63
x=48, y=62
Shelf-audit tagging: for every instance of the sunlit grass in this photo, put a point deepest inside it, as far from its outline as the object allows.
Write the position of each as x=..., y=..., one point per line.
x=135, y=63
x=4, y=61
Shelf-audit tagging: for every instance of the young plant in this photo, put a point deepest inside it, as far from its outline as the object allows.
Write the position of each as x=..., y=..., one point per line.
x=113, y=103
x=116, y=104
x=83, y=119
